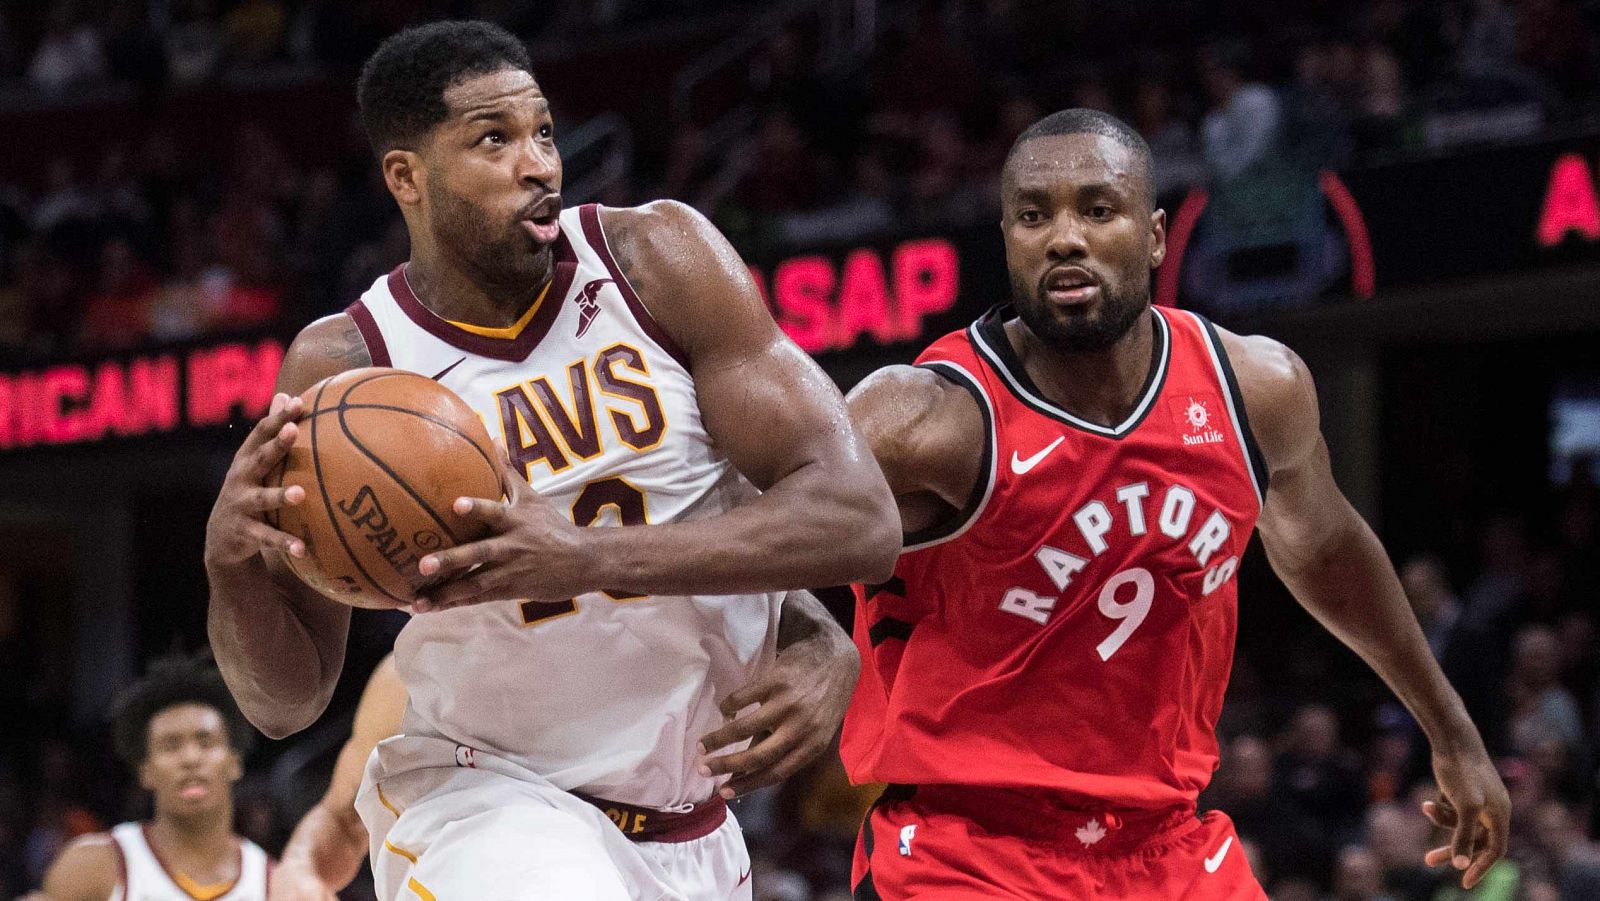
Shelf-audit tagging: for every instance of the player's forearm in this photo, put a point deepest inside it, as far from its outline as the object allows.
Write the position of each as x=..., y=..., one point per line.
x=328, y=844
x=1350, y=586
x=814, y=527
x=279, y=654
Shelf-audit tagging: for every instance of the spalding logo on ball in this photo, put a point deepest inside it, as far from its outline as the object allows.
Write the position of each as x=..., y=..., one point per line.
x=382, y=454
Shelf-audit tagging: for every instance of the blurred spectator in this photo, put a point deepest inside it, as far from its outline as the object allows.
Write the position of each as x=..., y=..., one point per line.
x=1318, y=777
x=255, y=30
x=1178, y=163
x=118, y=313
x=1574, y=860
x=69, y=55
x=1359, y=876
x=195, y=42
x=1242, y=122
x=1432, y=600
x=1489, y=43
x=1543, y=710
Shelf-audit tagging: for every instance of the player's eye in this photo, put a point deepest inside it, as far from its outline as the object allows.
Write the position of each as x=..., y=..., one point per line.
x=1031, y=216
x=493, y=136
x=1100, y=211
x=546, y=130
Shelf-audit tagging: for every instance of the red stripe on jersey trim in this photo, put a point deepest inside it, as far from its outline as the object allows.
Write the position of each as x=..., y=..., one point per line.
x=510, y=350
x=368, y=326
x=589, y=215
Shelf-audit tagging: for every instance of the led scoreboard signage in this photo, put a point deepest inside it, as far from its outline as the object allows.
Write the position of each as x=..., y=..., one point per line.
x=147, y=394
x=827, y=306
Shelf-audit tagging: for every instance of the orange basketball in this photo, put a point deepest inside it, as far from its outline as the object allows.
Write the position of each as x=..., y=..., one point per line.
x=382, y=455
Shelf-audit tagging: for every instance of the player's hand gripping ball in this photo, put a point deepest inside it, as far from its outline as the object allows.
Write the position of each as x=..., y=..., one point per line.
x=382, y=455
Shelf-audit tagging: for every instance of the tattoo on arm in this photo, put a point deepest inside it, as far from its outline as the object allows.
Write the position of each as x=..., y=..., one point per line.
x=350, y=348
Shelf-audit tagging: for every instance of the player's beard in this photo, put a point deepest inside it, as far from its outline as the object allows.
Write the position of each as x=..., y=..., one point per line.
x=1073, y=331
x=503, y=257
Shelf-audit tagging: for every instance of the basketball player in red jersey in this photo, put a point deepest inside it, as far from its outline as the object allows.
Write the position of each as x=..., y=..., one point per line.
x=560, y=677
x=1078, y=474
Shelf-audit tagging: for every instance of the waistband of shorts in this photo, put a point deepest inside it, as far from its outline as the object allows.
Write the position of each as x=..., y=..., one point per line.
x=1072, y=825
x=647, y=824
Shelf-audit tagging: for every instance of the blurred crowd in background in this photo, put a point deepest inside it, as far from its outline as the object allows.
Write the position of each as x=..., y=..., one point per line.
x=147, y=238
x=1323, y=772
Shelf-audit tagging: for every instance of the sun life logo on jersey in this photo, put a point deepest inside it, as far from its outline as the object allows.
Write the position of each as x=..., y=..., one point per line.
x=466, y=757
x=1199, y=418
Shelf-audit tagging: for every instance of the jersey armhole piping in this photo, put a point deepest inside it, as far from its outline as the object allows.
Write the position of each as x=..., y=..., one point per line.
x=589, y=217
x=983, y=489
x=370, y=335
x=1254, y=460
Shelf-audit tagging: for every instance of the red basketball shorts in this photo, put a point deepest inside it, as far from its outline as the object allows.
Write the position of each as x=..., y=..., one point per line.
x=941, y=842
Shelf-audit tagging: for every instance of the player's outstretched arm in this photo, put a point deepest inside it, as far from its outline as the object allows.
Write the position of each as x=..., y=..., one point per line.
x=279, y=644
x=1337, y=569
x=86, y=871
x=824, y=516
x=325, y=851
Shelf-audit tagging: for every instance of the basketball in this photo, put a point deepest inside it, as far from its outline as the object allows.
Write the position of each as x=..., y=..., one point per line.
x=382, y=455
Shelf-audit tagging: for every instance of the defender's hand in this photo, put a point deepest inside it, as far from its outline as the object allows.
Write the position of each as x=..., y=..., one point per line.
x=1474, y=805
x=294, y=882
x=238, y=529
x=801, y=698
x=532, y=552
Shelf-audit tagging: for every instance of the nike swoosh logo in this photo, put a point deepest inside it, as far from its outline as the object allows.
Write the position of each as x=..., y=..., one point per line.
x=1215, y=861
x=1020, y=466
x=446, y=371
x=743, y=879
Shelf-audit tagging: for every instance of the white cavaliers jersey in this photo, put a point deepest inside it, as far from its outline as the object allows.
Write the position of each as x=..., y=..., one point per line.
x=605, y=694
x=145, y=878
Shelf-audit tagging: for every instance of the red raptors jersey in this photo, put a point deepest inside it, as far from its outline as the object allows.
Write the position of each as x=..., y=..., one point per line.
x=1073, y=629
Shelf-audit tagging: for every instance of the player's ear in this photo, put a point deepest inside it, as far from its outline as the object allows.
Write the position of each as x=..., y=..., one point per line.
x=144, y=775
x=1158, y=237
x=402, y=170
x=235, y=766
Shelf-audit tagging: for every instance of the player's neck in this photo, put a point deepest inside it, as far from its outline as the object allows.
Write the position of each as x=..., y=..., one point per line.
x=1101, y=386
x=452, y=291
x=204, y=835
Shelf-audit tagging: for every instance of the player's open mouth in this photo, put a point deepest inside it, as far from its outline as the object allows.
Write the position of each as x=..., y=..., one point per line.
x=540, y=220
x=1070, y=285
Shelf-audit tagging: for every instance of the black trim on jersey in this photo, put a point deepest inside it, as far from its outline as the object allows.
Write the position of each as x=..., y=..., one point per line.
x=1258, y=461
x=989, y=334
x=865, y=890
x=889, y=627
x=894, y=585
x=986, y=474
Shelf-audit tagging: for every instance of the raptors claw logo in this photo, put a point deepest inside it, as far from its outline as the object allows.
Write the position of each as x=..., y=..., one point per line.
x=588, y=306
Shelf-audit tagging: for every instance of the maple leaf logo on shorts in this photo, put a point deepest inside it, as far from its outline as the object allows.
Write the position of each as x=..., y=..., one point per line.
x=1090, y=832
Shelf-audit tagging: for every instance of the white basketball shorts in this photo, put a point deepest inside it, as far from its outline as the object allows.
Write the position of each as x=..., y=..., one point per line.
x=448, y=823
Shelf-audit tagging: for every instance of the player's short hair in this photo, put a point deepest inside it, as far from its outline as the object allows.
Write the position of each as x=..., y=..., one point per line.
x=1092, y=122
x=171, y=681
x=402, y=85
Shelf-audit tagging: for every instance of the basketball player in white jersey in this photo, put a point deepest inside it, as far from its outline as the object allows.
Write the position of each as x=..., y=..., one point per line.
x=567, y=682
x=179, y=730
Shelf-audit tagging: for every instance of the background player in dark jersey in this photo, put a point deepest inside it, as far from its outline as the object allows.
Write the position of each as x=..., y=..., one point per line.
x=1077, y=475
x=179, y=731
